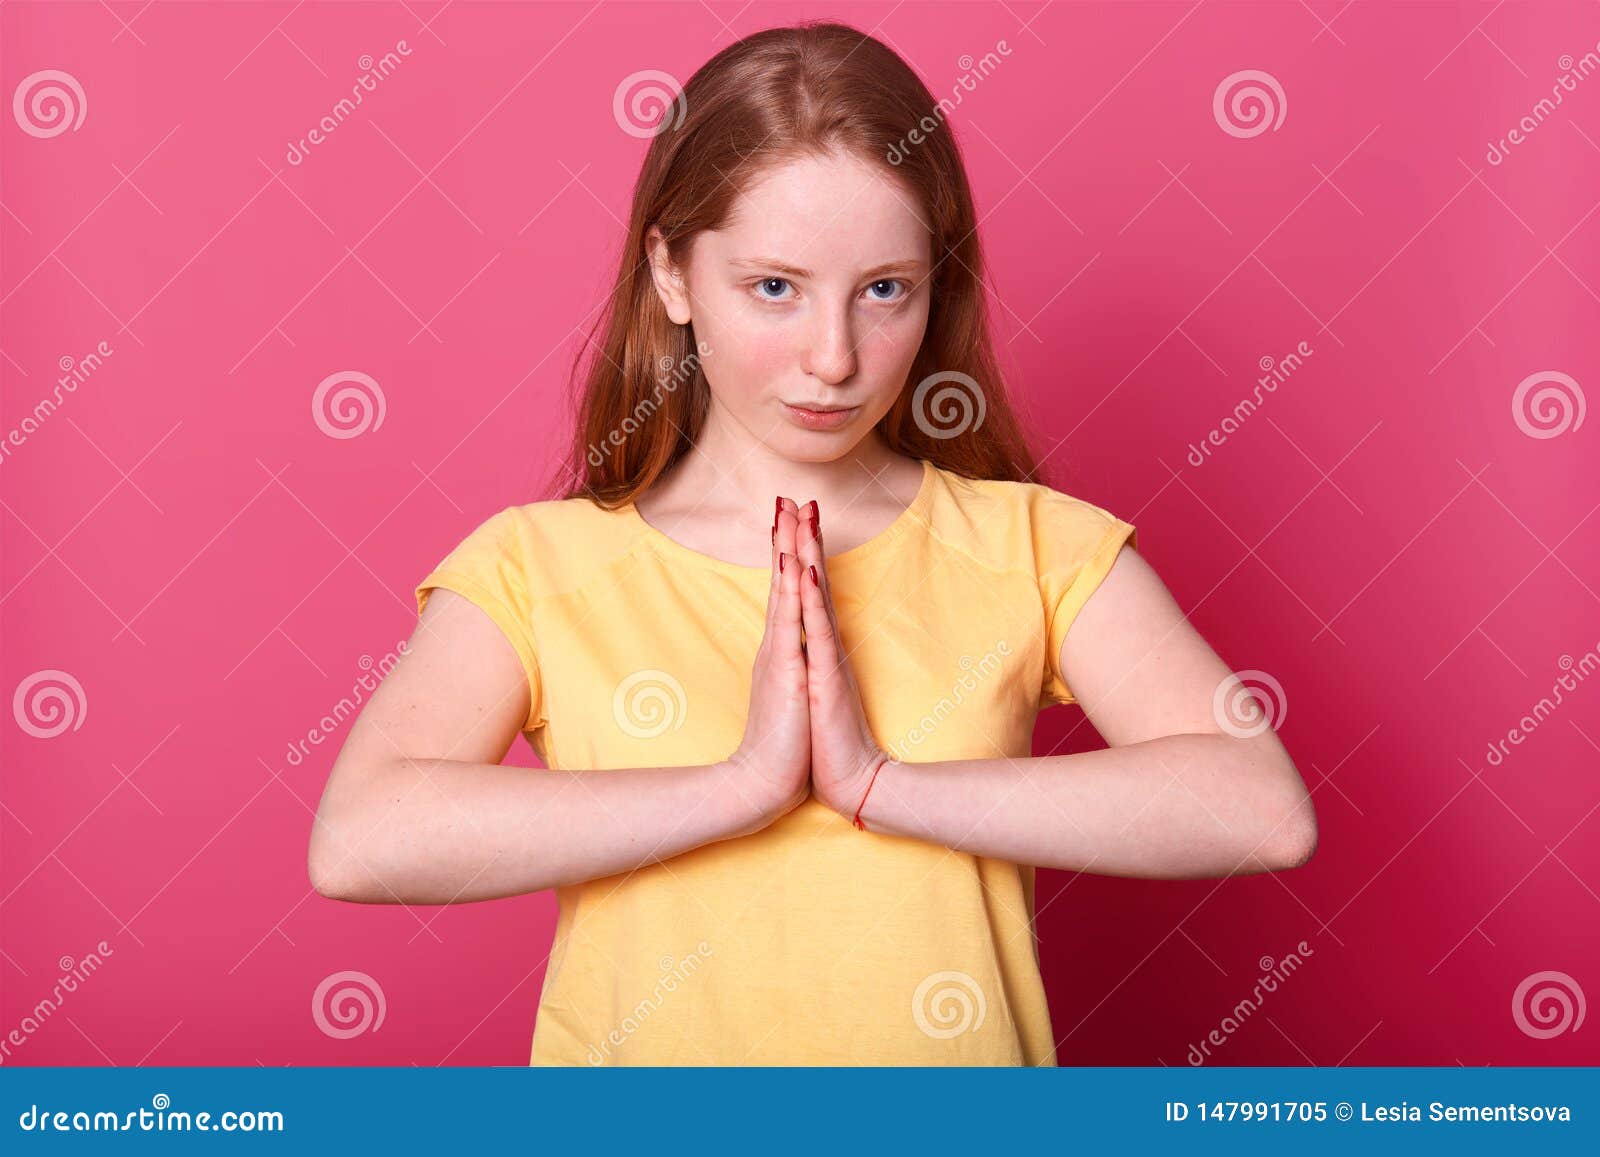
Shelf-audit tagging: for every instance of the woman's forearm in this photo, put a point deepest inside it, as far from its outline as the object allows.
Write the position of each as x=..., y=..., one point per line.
x=439, y=831
x=1177, y=807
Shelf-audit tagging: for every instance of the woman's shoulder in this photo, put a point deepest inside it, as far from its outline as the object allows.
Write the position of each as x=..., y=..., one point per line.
x=1008, y=524
x=551, y=545
x=559, y=516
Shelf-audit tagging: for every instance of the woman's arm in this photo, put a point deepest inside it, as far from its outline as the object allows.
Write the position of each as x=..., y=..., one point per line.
x=418, y=810
x=1177, y=807
x=1175, y=795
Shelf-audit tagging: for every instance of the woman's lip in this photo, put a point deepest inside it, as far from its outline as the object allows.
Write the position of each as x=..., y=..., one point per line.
x=820, y=419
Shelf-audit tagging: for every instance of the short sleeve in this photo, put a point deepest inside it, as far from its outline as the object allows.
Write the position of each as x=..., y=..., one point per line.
x=1074, y=542
x=489, y=567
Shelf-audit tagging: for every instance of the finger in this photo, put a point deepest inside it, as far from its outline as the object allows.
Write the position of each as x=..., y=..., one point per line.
x=786, y=627
x=827, y=582
x=786, y=632
x=773, y=587
x=786, y=527
x=811, y=537
x=808, y=542
x=809, y=547
x=822, y=637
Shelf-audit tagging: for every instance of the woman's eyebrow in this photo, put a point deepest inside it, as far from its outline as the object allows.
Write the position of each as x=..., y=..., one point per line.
x=773, y=264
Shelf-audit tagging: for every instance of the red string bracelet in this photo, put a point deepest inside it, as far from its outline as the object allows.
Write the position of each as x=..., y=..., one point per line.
x=856, y=819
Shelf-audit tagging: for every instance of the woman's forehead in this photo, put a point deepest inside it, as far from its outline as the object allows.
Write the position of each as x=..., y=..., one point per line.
x=821, y=214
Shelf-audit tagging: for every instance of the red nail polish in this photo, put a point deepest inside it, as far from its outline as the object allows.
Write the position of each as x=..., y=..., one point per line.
x=781, y=557
x=813, y=571
x=774, y=536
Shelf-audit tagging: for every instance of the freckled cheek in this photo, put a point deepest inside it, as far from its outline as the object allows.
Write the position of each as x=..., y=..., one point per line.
x=768, y=355
x=887, y=352
x=751, y=362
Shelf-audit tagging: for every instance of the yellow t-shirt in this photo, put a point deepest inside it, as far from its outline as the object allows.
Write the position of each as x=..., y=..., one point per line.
x=809, y=942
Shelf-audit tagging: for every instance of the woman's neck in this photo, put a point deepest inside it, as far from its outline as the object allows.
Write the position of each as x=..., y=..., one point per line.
x=718, y=498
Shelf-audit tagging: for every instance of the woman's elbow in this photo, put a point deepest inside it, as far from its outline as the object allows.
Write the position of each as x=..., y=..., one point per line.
x=324, y=868
x=333, y=869
x=347, y=820
x=1298, y=832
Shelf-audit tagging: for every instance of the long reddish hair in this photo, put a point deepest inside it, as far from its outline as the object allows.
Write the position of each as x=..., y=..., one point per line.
x=775, y=96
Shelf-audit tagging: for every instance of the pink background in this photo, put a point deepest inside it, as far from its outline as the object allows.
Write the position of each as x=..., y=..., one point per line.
x=1384, y=537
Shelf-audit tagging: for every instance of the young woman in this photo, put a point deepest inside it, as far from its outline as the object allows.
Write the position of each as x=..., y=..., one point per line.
x=790, y=811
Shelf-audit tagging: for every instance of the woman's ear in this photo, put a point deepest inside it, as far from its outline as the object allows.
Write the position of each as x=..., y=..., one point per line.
x=668, y=278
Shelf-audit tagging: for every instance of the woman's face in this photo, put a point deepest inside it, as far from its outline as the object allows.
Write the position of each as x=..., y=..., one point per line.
x=813, y=296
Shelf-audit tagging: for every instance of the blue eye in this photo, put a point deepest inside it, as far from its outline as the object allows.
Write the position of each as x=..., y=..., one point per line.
x=884, y=289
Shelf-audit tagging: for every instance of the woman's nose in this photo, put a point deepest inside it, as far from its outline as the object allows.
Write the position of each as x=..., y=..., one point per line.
x=830, y=351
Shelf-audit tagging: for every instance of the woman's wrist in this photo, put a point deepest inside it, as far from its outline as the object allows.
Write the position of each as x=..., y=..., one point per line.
x=857, y=803
x=743, y=803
